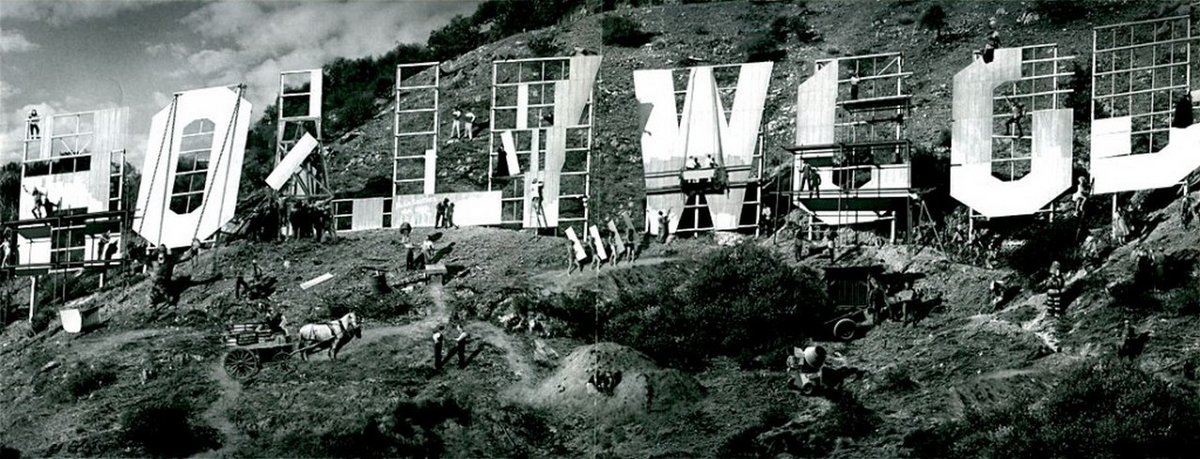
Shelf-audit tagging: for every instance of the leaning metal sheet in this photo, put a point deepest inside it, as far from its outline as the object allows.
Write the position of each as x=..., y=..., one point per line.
x=291, y=162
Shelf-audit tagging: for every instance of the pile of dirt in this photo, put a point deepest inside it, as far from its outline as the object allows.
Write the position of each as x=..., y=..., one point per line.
x=643, y=388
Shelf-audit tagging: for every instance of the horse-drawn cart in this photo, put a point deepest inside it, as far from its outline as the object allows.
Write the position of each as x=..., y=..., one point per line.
x=252, y=344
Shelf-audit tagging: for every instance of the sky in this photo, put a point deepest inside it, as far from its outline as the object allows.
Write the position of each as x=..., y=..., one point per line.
x=80, y=55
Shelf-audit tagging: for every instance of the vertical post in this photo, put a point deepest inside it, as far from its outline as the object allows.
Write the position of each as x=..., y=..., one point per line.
x=32, y=296
x=102, y=279
x=892, y=235
x=970, y=225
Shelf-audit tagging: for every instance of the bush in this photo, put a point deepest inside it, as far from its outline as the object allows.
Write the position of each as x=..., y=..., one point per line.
x=382, y=306
x=1060, y=11
x=739, y=302
x=1046, y=242
x=543, y=46
x=763, y=47
x=86, y=380
x=411, y=429
x=165, y=429
x=622, y=31
x=1103, y=411
x=934, y=19
x=783, y=26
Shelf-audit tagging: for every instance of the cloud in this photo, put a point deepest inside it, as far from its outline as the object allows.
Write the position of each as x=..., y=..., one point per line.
x=258, y=40
x=166, y=50
x=12, y=41
x=61, y=13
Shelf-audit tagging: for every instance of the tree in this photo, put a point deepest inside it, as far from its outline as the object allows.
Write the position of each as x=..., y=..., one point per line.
x=934, y=19
x=457, y=37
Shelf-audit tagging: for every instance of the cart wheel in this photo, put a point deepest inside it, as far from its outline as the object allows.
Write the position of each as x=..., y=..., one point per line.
x=845, y=329
x=808, y=389
x=241, y=363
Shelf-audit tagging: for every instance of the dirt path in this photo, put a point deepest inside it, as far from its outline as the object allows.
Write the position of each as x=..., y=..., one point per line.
x=217, y=414
x=563, y=280
x=514, y=351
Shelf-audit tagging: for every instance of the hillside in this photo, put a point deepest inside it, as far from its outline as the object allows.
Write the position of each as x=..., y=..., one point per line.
x=695, y=332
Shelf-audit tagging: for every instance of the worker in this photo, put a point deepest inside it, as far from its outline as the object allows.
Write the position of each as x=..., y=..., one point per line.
x=876, y=300
x=695, y=163
x=664, y=227
x=161, y=287
x=1016, y=115
x=449, y=222
x=1187, y=207
x=274, y=319
x=765, y=222
x=989, y=48
x=460, y=346
x=813, y=179
x=631, y=245
x=854, y=81
x=1182, y=117
x=1120, y=225
x=437, y=347
x=1132, y=343
x=575, y=257
x=469, y=124
x=439, y=218
x=999, y=289
x=1082, y=191
x=409, y=247
x=39, y=202
x=35, y=132
x=428, y=250
x=1054, y=291
x=709, y=161
x=5, y=250
x=615, y=251
x=456, y=123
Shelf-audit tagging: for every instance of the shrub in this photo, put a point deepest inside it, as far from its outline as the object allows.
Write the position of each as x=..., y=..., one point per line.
x=763, y=47
x=783, y=26
x=934, y=18
x=1103, y=411
x=165, y=429
x=1184, y=301
x=411, y=429
x=1046, y=242
x=85, y=380
x=622, y=31
x=1059, y=11
x=740, y=302
x=543, y=46
x=390, y=305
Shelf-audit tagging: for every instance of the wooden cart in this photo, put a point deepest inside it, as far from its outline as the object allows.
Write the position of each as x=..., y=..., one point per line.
x=251, y=345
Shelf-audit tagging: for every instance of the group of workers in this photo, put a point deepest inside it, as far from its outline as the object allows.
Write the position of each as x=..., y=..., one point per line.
x=709, y=162
x=462, y=125
x=445, y=215
x=414, y=258
x=610, y=248
x=460, y=346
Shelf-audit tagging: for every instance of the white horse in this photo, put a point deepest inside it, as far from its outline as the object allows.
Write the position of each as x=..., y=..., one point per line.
x=333, y=335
